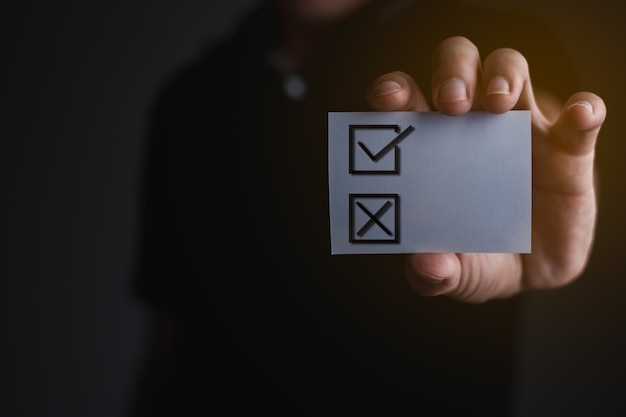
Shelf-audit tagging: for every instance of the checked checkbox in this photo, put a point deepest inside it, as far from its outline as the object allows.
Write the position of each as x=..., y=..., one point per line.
x=371, y=149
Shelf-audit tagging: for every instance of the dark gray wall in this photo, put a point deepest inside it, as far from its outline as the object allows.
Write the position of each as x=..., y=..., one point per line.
x=77, y=79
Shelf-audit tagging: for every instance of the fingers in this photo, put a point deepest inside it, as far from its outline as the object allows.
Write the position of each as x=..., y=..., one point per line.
x=563, y=158
x=565, y=194
x=576, y=130
x=506, y=82
x=396, y=91
x=500, y=84
x=456, y=69
x=460, y=83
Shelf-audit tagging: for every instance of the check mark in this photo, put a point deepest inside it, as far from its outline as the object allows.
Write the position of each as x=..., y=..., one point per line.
x=388, y=147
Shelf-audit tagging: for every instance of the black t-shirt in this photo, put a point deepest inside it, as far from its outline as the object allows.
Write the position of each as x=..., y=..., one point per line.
x=235, y=234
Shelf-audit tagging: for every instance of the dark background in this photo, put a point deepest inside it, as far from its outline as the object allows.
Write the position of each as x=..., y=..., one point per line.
x=77, y=81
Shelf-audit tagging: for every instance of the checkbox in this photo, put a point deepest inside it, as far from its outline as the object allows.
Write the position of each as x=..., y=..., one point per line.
x=374, y=149
x=374, y=218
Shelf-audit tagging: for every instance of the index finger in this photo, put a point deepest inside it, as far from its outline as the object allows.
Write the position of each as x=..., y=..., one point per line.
x=396, y=91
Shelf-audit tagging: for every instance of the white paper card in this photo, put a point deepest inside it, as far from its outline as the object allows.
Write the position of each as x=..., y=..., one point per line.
x=408, y=182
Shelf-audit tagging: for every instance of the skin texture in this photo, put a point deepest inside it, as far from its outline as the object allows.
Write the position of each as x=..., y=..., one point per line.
x=564, y=189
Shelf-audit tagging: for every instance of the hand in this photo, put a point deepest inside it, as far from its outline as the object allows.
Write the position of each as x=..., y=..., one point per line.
x=564, y=189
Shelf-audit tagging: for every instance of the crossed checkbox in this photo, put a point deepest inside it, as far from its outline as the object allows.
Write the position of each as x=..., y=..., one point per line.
x=374, y=218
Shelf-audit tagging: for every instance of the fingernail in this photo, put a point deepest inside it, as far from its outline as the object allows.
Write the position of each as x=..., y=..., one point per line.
x=387, y=87
x=584, y=104
x=429, y=279
x=452, y=90
x=498, y=85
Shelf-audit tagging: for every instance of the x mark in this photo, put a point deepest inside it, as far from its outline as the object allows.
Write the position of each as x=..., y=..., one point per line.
x=374, y=218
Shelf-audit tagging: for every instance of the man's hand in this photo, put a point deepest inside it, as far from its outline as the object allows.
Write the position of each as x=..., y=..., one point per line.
x=564, y=195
